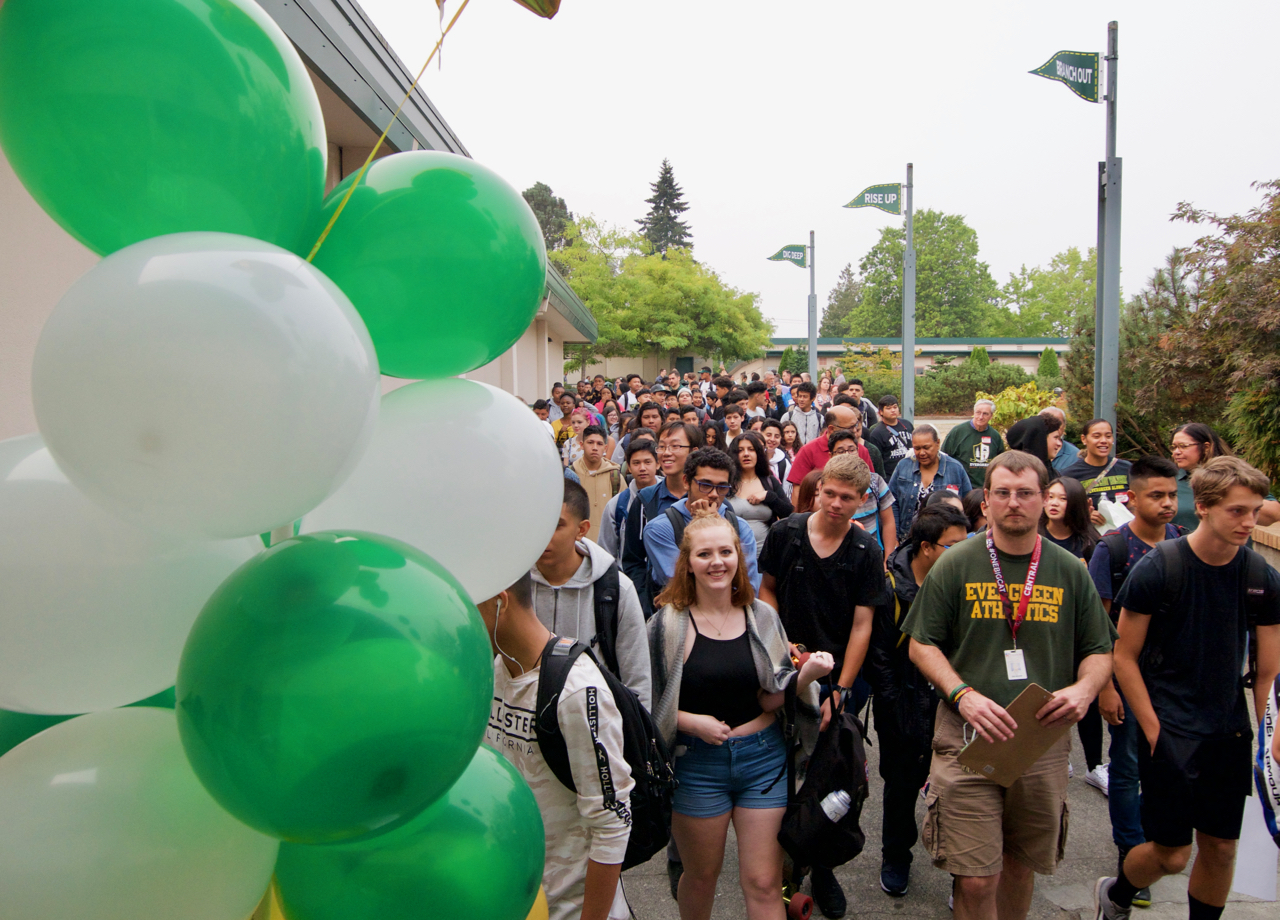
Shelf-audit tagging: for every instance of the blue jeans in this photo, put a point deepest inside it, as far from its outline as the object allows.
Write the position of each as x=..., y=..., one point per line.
x=744, y=772
x=1124, y=798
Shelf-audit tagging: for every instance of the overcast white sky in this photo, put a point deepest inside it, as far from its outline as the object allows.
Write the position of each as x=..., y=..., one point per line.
x=774, y=114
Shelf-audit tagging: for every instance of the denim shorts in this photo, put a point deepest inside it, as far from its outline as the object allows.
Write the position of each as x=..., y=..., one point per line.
x=713, y=779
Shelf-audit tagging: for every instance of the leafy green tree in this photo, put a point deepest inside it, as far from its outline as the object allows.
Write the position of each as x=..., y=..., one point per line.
x=979, y=357
x=1224, y=342
x=662, y=226
x=645, y=302
x=1149, y=404
x=1043, y=302
x=1049, y=367
x=955, y=293
x=788, y=360
x=840, y=303
x=552, y=213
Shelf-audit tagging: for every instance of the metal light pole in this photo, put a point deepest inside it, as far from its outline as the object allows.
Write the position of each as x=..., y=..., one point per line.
x=813, y=318
x=909, y=315
x=1106, y=356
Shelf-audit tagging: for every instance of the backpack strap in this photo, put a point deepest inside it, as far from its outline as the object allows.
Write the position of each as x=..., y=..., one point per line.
x=1253, y=598
x=615, y=480
x=732, y=519
x=1171, y=559
x=605, y=595
x=1118, y=547
x=897, y=608
x=554, y=666
x=620, y=513
x=677, y=525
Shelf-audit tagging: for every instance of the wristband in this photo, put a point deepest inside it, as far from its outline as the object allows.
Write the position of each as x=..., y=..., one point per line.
x=956, y=691
x=959, y=696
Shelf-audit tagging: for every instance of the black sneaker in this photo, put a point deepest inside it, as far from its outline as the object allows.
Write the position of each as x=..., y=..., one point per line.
x=827, y=893
x=893, y=879
x=674, y=871
x=1142, y=898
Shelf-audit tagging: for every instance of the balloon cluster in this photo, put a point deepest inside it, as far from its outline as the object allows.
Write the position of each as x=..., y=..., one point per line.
x=204, y=384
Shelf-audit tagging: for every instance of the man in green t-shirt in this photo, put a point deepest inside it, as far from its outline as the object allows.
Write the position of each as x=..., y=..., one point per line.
x=975, y=443
x=962, y=628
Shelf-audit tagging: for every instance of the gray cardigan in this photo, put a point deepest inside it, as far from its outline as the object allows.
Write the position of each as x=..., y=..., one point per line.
x=769, y=648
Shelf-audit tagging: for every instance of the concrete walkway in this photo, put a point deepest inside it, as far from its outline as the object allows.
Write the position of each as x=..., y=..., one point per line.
x=1068, y=895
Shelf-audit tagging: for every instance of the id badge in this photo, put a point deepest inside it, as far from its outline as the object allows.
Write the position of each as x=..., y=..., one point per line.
x=1015, y=664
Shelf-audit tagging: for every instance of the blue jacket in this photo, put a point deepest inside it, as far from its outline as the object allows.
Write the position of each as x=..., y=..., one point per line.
x=905, y=486
x=1066, y=456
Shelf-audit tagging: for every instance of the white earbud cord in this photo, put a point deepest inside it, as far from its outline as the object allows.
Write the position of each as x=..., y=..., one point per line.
x=496, y=614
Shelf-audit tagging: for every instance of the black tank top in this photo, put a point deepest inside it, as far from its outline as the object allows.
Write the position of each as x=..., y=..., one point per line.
x=720, y=679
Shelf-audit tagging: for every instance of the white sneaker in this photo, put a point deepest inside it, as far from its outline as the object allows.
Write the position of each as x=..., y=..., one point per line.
x=1071, y=771
x=1097, y=778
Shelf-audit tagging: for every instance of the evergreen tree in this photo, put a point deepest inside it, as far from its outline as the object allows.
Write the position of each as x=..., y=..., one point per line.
x=840, y=302
x=552, y=213
x=978, y=357
x=1049, y=364
x=662, y=226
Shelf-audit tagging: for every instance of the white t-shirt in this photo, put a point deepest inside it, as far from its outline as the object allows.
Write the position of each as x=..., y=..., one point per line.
x=594, y=823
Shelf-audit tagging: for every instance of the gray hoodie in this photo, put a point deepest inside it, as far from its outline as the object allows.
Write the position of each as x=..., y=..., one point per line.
x=569, y=610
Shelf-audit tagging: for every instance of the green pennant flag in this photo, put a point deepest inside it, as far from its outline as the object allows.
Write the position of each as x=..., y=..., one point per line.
x=1078, y=70
x=795, y=254
x=885, y=197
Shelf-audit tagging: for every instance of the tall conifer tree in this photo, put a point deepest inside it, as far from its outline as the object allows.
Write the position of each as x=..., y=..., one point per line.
x=662, y=226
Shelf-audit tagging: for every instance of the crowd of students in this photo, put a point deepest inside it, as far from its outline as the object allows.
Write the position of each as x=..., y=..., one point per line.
x=713, y=530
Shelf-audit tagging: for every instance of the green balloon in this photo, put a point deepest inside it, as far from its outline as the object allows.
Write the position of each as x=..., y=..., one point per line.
x=477, y=852
x=443, y=259
x=333, y=687
x=17, y=727
x=136, y=118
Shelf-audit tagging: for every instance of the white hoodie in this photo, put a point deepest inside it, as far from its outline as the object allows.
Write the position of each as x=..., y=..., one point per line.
x=569, y=610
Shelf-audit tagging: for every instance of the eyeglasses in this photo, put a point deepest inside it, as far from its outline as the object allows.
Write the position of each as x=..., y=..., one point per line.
x=672, y=448
x=1178, y=447
x=1023, y=495
x=706, y=488
x=853, y=427
x=845, y=450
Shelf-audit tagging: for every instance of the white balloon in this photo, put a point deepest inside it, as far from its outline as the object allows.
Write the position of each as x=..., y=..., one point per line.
x=101, y=818
x=93, y=610
x=206, y=383
x=461, y=470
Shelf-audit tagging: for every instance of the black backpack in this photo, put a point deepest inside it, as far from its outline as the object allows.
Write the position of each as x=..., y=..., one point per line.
x=1118, y=547
x=791, y=530
x=1253, y=592
x=605, y=595
x=839, y=763
x=642, y=747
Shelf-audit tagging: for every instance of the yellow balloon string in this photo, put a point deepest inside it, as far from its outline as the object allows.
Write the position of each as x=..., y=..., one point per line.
x=374, y=152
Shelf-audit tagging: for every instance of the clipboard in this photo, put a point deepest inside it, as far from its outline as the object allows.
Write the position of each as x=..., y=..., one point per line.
x=1005, y=761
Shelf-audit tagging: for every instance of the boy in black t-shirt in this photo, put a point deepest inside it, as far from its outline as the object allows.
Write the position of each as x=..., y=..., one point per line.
x=892, y=436
x=825, y=575
x=1179, y=661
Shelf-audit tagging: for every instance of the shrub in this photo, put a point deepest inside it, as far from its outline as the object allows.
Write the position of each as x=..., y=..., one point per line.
x=1016, y=403
x=948, y=390
x=978, y=357
x=879, y=369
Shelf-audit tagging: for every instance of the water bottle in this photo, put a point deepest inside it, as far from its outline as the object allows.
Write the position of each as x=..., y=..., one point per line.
x=836, y=805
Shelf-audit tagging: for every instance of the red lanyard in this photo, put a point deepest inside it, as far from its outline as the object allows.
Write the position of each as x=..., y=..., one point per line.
x=1015, y=619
